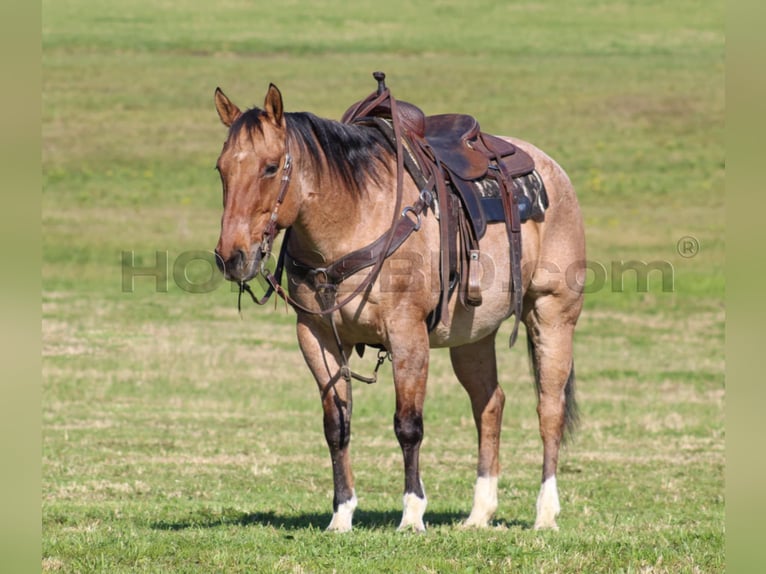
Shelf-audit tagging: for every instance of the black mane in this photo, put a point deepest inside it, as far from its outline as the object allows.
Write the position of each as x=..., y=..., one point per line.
x=352, y=153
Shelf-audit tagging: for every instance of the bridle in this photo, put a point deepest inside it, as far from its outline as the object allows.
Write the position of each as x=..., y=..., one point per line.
x=270, y=233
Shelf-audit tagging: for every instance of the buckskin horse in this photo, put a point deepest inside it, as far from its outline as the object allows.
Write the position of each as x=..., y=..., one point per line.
x=382, y=249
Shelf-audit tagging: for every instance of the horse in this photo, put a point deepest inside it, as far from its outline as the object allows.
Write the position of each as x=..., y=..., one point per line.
x=329, y=186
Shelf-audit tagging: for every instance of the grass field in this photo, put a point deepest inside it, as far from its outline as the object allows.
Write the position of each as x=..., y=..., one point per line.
x=178, y=437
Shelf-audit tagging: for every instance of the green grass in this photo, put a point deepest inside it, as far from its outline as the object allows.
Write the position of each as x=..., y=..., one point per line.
x=178, y=437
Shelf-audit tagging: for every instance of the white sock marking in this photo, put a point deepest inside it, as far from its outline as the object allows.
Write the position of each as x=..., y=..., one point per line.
x=414, y=509
x=548, y=505
x=341, y=518
x=484, y=502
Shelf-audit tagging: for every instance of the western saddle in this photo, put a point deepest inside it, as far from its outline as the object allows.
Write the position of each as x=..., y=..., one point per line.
x=469, y=179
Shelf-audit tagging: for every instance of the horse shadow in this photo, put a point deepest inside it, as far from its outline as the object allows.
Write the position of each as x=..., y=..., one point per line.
x=363, y=520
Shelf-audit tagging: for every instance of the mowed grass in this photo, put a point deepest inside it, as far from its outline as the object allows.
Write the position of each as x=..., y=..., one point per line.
x=179, y=437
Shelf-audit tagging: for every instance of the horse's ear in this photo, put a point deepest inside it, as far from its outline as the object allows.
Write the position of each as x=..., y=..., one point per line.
x=227, y=110
x=273, y=106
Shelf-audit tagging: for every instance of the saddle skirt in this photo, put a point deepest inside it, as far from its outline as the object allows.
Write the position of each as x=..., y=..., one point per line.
x=471, y=160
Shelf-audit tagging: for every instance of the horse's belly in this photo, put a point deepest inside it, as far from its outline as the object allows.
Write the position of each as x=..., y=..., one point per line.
x=469, y=324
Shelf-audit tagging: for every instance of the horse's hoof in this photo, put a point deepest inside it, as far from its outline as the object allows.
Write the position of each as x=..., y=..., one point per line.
x=543, y=525
x=470, y=523
x=416, y=528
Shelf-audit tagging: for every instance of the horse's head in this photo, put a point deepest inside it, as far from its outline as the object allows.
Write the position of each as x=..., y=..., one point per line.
x=254, y=168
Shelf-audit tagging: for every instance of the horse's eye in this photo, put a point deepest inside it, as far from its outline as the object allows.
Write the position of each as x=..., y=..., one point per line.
x=270, y=170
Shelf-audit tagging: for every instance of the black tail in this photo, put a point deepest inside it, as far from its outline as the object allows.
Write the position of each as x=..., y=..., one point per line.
x=571, y=410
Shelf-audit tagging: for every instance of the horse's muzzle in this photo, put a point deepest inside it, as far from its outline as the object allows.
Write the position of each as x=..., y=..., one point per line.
x=239, y=266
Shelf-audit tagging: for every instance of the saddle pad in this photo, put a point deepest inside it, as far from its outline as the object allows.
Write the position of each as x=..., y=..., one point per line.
x=530, y=195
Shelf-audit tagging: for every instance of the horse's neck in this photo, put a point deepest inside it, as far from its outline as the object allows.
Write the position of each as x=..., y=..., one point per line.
x=332, y=223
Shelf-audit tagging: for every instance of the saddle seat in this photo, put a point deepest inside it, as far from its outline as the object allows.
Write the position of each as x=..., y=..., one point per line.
x=451, y=137
x=455, y=140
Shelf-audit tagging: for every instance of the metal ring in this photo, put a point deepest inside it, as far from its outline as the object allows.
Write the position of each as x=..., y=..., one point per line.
x=263, y=264
x=417, y=215
x=319, y=275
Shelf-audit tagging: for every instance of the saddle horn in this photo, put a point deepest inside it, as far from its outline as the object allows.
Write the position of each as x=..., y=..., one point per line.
x=381, y=79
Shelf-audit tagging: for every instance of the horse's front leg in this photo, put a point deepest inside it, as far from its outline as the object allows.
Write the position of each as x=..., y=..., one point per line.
x=323, y=359
x=410, y=353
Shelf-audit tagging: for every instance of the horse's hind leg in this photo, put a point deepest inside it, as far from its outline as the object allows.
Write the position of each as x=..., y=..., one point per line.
x=550, y=330
x=336, y=404
x=476, y=369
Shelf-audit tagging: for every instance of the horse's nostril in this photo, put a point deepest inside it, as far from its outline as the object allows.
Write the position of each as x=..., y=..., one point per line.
x=232, y=266
x=219, y=261
x=238, y=258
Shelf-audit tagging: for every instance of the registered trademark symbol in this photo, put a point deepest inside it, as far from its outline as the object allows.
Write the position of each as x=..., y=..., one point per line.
x=688, y=246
